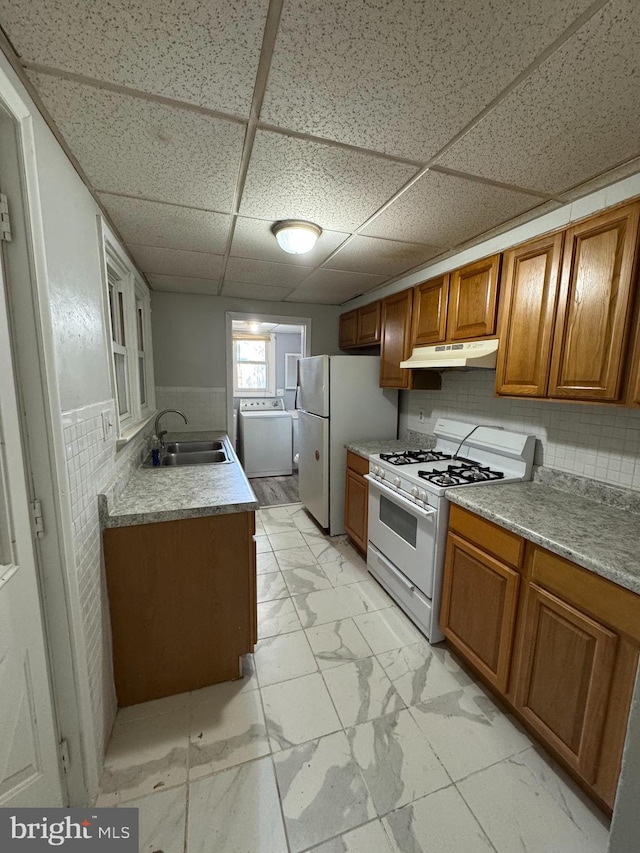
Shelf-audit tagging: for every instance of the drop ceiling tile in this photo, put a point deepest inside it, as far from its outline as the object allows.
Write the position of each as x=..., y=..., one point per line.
x=151, y=259
x=444, y=210
x=632, y=167
x=571, y=119
x=402, y=76
x=138, y=147
x=338, y=189
x=203, y=53
x=183, y=284
x=152, y=223
x=255, y=291
x=244, y=270
x=384, y=257
x=253, y=238
x=333, y=287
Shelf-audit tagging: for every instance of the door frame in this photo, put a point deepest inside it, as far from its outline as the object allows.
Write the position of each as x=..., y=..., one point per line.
x=259, y=317
x=43, y=442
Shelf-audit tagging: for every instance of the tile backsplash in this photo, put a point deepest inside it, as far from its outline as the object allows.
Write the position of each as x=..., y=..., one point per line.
x=206, y=408
x=94, y=467
x=601, y=442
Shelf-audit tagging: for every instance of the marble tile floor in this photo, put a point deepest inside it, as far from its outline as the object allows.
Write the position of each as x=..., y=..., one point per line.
x=349, y=733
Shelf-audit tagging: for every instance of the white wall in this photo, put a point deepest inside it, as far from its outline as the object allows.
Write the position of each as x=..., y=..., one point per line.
x=625, y=828
x=80, y=385
x=189, y=334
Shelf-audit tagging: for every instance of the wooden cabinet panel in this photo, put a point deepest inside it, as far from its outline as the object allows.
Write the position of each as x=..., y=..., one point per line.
x=369, y=324
x=594, y=307
x=182, y=598
x=395, y=345
x=479, y=605
x=528, y=292
x=473, y=295
x=500, y=543
x=429, y=324
x=356, y=503
x=563, y=682
x=348, y=330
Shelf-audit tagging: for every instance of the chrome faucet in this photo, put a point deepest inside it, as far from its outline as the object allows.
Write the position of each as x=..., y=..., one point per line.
x=165, y=431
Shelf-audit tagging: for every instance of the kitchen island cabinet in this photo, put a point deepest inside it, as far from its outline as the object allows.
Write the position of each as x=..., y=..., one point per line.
x=180, y=566
x=558, y=643
x=182, y=597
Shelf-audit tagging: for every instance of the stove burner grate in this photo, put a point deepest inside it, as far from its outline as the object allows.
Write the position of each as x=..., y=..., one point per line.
x=412, y=457
x=463, y=474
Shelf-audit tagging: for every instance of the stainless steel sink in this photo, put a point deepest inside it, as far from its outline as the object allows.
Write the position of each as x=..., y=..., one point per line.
x=202, y=457
x=193, y=446
x=180, y=453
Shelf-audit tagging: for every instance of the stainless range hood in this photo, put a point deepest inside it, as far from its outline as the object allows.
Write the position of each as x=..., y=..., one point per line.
x=463, y=354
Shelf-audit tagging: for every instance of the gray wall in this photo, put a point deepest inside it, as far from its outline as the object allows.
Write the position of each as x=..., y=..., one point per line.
x=189, y=334
x=285, y=344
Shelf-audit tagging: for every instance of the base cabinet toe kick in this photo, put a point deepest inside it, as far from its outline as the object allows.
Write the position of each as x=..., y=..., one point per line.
x=557, y=643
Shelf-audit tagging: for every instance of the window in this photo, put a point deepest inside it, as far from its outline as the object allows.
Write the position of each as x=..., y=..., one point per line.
x=129, y=316
x=253, y=365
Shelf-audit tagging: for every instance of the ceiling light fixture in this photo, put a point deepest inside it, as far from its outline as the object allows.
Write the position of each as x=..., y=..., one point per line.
x=296, y=236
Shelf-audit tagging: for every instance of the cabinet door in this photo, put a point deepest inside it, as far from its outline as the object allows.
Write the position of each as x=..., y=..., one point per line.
x=564, y=676
x=528, y=292
x=356, y=502
x=473, y=295
x=594, y=305
x=430, y=311
x=479, y=605
x=396, y=339
x=369, y=324
x=348, y=330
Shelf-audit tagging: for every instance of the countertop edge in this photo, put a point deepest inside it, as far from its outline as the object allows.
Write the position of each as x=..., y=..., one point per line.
x=621, y=578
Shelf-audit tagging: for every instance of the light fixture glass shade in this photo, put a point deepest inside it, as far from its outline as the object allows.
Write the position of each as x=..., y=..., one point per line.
x=296, y=236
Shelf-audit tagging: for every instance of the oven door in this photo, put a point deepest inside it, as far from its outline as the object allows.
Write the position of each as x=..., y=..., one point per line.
x=404, y=533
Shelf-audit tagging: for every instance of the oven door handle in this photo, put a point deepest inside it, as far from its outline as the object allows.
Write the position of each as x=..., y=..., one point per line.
x=422, y=512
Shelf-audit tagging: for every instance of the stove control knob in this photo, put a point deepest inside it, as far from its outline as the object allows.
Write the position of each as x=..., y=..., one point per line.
x=374, y=470
x=396, y=482
x=422, y=495
x=415, y=492
x=382, y=473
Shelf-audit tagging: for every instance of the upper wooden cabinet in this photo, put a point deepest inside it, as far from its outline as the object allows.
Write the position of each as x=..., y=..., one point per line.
x=360, y=327
x=528, y=293
x=348, y=330
x=429, y=325
x=473, y=299
x=369, y=324
x=395, y=344
x=594, y=307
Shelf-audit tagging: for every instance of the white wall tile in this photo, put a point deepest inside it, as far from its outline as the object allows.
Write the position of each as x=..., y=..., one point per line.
x=206, y=408
x=602, y=442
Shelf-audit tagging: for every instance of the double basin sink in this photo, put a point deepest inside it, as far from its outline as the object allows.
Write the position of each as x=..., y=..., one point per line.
x=191, y=453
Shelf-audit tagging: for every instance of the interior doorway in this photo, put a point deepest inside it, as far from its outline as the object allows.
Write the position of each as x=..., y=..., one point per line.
x=262, y=356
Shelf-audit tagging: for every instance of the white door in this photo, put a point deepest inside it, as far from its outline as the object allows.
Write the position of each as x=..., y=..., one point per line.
x=29, y=763
x=313, y=467
x=313, y=385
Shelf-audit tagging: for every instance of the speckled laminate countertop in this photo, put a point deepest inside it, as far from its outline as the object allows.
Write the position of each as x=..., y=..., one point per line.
x=604, y=539
x=366, y=447
x=193, y=491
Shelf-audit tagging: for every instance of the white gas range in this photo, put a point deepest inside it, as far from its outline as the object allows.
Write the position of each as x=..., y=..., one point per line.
x=409, y=513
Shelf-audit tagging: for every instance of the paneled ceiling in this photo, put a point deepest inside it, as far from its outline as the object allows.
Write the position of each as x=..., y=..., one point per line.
x=406, y=129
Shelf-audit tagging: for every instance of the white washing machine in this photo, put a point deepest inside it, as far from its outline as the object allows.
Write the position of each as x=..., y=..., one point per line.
x=265, y=437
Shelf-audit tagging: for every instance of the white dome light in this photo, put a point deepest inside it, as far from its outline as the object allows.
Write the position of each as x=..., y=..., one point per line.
x=296, y=236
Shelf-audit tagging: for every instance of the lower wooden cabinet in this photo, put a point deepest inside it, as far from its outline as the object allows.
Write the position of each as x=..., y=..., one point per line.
x=564, y=677
x=559, y=644
x=356, y=500
x=182, y=598
x=479, y=604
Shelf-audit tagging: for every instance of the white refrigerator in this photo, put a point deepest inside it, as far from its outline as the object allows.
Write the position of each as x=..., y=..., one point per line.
x=339, y=401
